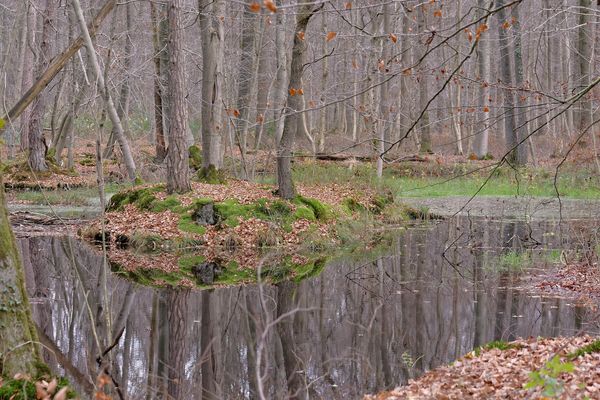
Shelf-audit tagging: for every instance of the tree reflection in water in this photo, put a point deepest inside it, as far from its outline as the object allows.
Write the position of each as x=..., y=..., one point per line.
x=439, y=291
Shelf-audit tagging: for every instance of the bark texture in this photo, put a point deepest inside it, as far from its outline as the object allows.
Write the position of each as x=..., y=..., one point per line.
x=286, y=188
x=178, y=179
x=18, y=338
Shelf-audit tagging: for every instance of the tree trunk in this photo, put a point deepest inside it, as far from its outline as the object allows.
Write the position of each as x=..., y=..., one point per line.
x=177, y=316
x=286, y=188
x=37, y=142
x=178, y=179
x=112, y=112
x=584, y=56
x=161, y=149
x=281, y=79
x=247, y=73
x=18, y=338
x=212, y=82
x=510, y=132
x=481, y=139
x=123, y=106
x=521, y=115
x=27, y=68
x=425, y=132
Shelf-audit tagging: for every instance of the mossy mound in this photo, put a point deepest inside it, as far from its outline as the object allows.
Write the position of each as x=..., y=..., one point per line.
x=211, y=175
x=195, y=157
x=144, y=199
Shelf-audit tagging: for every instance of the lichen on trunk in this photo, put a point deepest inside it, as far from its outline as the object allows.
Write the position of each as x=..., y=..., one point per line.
x=19, y=351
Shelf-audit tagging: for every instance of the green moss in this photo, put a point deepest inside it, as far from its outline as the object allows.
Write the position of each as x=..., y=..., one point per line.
x=234, y=275
x=142, y=198
x=351, y=206
x=17, y=390
x=308, y=270
x=230, y=211
x=195, y=157
x=305, y=213
x=25, y=390
x=593, y=347
x=321, y=211
x=188, y=261
x=169, y=203
x=153, y=277
x=187, y=224
x=211, y=175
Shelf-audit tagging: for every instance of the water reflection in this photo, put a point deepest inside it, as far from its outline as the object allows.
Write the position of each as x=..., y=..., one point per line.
x=439, y=291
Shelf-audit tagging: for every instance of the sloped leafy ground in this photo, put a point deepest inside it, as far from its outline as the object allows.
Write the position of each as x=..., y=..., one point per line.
x=526, y=370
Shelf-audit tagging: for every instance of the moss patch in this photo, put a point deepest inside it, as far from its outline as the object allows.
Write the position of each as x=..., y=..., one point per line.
x=143, y=199
x=21, y=389
x=211, y=175
x=195, y=157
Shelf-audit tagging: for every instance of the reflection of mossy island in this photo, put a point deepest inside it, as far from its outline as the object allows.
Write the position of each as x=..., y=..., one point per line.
x=234, y=232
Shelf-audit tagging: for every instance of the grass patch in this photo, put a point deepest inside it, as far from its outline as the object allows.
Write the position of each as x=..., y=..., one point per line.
x=432, y=180
x=593, y=347
x=514, y=261
x=187, y=224
x=496, y=344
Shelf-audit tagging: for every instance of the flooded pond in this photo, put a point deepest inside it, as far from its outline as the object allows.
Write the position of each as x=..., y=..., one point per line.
x=364, y=324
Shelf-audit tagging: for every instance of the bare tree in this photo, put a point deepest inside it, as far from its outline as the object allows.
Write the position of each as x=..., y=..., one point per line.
x=177, y=154
x=294, y=104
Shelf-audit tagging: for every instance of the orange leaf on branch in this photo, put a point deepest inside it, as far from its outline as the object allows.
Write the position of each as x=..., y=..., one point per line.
x=270, y=5
x=254, y=7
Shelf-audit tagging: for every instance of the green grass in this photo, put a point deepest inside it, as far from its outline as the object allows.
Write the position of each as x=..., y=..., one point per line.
x=496, y=344
x=593, y=347
x=514, y=261
x=438, y=181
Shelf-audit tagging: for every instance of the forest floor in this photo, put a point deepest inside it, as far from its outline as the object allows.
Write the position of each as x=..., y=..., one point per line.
x=566, y=368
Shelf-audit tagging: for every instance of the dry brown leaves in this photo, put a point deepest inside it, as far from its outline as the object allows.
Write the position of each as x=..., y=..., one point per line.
x=336, y=193
x=131, y=220
x=130, y=261
x=501, y=374
x=578, y=281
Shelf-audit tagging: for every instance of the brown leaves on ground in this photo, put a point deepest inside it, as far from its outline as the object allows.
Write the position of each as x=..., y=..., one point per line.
x=245, y=243
x=131, y=220
x=501, y=374
x=578, y=281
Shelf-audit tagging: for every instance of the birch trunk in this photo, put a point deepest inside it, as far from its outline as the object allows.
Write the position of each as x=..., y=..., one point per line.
x=112, y=111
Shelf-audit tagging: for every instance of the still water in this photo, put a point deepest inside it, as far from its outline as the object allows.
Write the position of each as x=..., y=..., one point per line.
x=365, y=324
